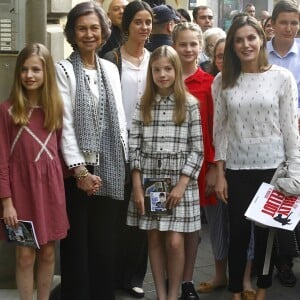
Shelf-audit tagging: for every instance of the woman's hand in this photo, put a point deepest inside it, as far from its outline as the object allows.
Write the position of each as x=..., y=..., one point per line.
x=210, y=180
x=86, y=181
x=138, y=198
x=221, y=188
x=90, y=184
x=177, y=192
x=221, y=183
x=9, y=213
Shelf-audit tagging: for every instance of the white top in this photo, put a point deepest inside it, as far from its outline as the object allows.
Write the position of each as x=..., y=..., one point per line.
x=256, y=122
x=67, y=87
x=133, y=82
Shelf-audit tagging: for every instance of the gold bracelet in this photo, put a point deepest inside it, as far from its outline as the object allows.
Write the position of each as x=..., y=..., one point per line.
x=82, y=173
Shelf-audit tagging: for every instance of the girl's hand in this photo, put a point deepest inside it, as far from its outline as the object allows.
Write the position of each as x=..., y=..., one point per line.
x=177, y=192
x=138, y=191
x=210, y=180
x=138, y=198
x=9, y=213
x=221, y=188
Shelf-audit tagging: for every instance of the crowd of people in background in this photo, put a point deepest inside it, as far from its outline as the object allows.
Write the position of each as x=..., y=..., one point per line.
x=150, y=91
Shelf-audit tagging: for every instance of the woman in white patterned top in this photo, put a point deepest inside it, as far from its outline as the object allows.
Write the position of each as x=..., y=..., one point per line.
x=166, y=142
x=94, y=147
x=255, y=129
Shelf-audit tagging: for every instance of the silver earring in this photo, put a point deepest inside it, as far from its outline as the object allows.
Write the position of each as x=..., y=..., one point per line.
x=125, y=36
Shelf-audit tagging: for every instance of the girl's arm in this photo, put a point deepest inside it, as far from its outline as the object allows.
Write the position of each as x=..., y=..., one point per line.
x=210, y=150
x=135, y=145
x=138, y=191
x=178, y=191
x=210, y=179
x=192, y=166
x=135, y=139
x=9, y=212
x=194, y=160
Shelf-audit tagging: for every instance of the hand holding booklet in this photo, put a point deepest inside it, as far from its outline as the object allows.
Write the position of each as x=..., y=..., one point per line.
x=156, y=192
x=23, y=235
x=273, y=208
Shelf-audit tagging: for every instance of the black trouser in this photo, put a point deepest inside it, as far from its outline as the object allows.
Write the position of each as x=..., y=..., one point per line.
x=132, y=248
x=242, y=186
x=87, y=254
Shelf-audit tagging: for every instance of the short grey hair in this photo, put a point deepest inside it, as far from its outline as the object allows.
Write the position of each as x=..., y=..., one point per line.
x=215, y=31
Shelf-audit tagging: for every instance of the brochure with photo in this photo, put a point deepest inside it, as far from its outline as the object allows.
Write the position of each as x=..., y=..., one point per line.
x=23, y=235
x=156, y=192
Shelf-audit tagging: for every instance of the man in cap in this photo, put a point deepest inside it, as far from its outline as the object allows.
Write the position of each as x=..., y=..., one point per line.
x=164, y=21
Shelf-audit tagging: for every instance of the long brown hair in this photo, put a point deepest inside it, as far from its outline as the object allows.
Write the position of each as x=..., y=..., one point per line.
x=50, y=98
x=232, y=65
x=151, y=90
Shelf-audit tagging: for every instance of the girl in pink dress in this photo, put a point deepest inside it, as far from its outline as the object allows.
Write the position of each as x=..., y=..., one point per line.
x=31, y=177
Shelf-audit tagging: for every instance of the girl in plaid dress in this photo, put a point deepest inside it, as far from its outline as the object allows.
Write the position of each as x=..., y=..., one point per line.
x=166, y=142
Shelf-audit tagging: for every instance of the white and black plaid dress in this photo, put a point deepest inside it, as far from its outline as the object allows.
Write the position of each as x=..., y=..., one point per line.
x=163, y=149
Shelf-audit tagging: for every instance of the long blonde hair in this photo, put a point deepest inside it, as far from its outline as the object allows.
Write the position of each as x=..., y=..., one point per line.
x=151, y=90
x=50, y=98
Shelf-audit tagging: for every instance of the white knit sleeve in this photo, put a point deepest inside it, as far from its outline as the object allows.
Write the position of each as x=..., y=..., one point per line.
x=220, y=120
x=67, y=85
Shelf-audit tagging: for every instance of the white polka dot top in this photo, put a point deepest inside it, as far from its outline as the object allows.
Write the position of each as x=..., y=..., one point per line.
x=256, y=121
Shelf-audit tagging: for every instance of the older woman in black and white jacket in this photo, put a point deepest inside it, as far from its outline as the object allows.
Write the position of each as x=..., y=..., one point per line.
x=94, y=147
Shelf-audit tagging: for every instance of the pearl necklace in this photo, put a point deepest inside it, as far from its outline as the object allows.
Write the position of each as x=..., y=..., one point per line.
x=89, y=66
